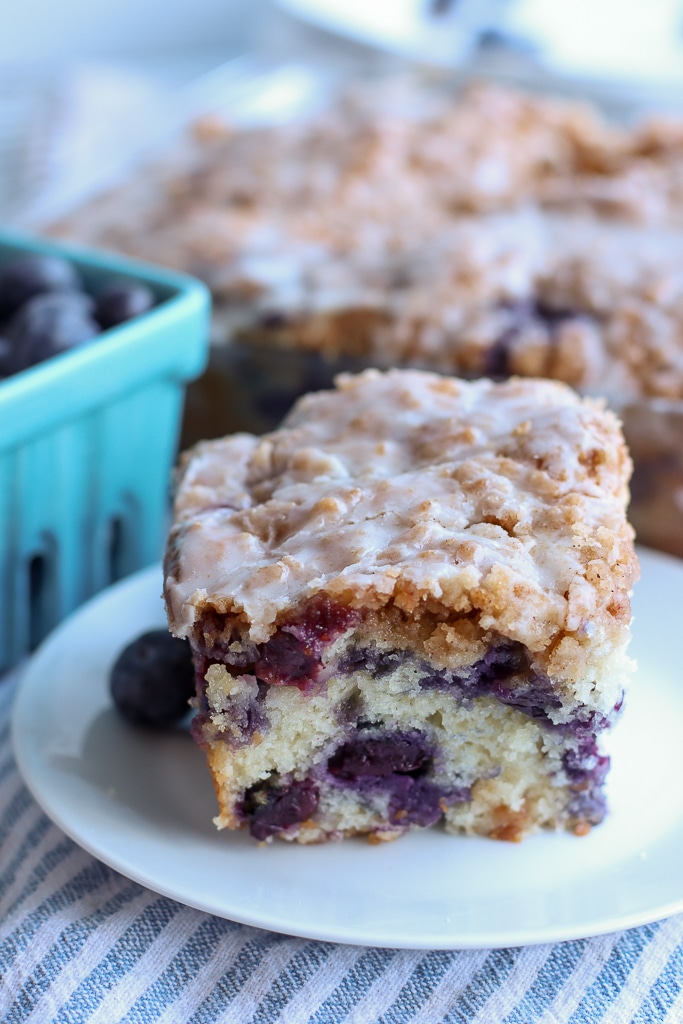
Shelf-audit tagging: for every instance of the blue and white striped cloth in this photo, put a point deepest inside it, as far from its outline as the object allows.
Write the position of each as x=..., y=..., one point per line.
x=80, y=943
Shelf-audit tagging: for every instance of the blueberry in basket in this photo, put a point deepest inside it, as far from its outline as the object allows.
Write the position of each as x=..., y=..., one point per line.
x=46, y=325
x=45, y=309
x=152, y=679
x=121, y=301
x=29, y=275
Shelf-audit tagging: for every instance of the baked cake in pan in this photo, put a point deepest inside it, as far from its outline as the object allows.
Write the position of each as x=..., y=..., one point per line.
x=393, y=229
x=368, y=230
x=409, y=604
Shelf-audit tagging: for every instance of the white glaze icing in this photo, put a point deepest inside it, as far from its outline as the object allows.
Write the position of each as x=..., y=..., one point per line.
x=506, y=501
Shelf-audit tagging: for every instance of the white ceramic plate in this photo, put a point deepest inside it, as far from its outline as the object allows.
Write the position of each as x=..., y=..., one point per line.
x=143, y=803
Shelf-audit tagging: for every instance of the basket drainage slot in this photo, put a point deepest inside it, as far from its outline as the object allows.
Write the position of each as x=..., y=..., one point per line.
x=116, y=552
x=38, y=580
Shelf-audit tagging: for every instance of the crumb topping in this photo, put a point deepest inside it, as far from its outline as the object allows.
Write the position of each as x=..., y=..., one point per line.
x=425, y=493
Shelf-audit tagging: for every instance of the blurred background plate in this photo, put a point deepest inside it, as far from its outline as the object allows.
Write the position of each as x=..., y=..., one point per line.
x=435, y=31
x=611, y=45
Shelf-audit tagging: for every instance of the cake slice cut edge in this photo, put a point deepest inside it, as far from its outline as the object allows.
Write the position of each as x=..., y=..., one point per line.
x=408, y=605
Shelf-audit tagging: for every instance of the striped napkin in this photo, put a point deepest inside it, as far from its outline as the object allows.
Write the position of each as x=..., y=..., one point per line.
x=81, y=943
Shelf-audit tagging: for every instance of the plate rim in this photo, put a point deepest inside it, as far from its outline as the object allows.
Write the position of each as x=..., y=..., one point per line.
x=339, y=932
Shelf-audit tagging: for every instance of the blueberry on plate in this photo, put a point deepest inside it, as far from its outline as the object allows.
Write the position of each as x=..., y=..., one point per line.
x=33, y=274
x=122, y=301
x=152, y=679
x=47, y=325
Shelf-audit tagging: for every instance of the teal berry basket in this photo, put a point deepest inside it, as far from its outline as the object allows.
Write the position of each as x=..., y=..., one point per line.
x=88, y=440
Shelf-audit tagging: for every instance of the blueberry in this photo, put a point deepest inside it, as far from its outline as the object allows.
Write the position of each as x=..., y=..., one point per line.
x=30, y=275
x=275, y=809
x=397, y=764
x=153, y=679
x=420, y=802
x=499, y=664
x=293, y=655
x=47, y=325
x=380, y=756
x=121, y=301
x=286, y=660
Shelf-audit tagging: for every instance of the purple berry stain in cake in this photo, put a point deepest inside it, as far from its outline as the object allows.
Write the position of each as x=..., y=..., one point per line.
x=294, y=654
x=271, y=810
x=502, y=673
x=244, y=709
x=586, y=770
x=534, y=698
x=396, y=764
x=371, y=659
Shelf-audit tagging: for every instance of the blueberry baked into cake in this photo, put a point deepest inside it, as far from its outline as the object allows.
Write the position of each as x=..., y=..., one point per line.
x=409, y=604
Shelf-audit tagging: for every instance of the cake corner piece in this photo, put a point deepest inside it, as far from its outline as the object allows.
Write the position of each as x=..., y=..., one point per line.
x=408, y=605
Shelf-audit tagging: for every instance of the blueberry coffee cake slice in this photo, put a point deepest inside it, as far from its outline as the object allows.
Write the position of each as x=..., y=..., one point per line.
x=409, y=604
